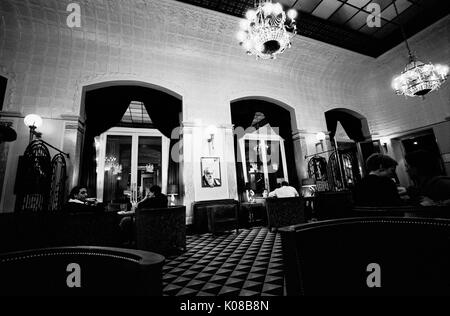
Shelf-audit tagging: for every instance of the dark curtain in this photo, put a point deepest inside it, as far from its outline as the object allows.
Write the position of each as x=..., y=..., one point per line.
x=105, y=108
x=351, y=124
x=243, y=113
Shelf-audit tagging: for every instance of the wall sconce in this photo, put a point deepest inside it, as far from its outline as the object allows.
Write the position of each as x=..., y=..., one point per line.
x=210, y=132
x=33, y=121
x=320, y=137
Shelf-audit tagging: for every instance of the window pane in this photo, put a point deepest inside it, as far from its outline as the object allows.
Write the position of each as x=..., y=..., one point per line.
x=117, y=169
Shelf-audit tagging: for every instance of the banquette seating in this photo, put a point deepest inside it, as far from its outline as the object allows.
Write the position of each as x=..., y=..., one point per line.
x=162, y=230
x=216, y=215
x=20, y=231
x=410, y=256
x=329, y=205
x=435, y=211
x=76, y=271
x=285, y=211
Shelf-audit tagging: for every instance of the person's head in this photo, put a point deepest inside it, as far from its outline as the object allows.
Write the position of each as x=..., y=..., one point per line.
x=422, y=164
x=155, y=190
x=79, y=193
x=208, y=173
x=284, y=183
x=381, y=165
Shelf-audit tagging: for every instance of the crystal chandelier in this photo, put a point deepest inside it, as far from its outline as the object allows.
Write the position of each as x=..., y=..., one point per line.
x=112, y=165
x=417, y=79
x=265, y=31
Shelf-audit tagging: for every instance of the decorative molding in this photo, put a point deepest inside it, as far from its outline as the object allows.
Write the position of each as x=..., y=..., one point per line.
x=10, y=88
x=115, y=78
x=11, y=114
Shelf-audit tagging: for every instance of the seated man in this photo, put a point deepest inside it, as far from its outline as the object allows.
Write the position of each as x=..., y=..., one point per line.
x=284, y=192
x=153, y=199
x=79, y=202
x=378, y=188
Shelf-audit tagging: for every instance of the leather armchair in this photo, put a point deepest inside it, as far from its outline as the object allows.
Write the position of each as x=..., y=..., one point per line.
x=285, y=211
x=216, y=215
x=100, y=271
x=161, y=230
x=332, y=257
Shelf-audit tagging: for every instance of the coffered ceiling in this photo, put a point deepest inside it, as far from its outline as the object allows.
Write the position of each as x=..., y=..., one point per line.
x=344, y=22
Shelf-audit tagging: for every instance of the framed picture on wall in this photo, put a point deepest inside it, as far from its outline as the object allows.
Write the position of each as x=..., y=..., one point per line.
x=210, y=169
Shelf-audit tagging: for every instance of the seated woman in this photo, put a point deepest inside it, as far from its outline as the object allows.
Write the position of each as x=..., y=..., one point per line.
x=80, y=203
x=431, y=186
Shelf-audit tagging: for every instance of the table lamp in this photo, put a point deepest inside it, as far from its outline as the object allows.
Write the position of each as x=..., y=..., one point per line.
x=172, y=190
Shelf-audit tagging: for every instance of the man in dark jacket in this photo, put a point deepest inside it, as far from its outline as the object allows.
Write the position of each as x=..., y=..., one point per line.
x=378, y=188
x=155, y=199
x=80, y=203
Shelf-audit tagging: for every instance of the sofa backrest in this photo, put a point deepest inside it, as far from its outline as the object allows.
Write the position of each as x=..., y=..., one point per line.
x=81, y=271
x=349, y=256
x=435, y=211
x=329, y=205
x=20, y=231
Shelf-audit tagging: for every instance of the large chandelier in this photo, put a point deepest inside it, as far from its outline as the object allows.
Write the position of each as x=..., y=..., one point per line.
x=265, y=31
x=417, y=79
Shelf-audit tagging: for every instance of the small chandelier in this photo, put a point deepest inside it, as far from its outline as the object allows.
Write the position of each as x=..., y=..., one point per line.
x=112, y=165
x=417, y=79
x=264, y=32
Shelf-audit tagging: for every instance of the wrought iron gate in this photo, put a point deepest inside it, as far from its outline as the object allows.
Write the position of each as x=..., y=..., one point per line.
x=40, y=181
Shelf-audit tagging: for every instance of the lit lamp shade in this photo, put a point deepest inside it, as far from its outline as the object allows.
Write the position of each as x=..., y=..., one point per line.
x=320, y=136
x=33, y=120
x=172, y=189
x=308, y=187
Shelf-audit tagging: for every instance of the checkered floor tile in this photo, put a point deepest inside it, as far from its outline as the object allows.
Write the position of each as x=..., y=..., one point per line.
x=246, y=264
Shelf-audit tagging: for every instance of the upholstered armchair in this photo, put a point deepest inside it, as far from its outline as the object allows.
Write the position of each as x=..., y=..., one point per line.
x=407, y=256
x=285, y=211
x=81, y=270
x=162, y=230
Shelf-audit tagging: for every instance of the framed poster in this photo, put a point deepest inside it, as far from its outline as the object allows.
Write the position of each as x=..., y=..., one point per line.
x=210, y=172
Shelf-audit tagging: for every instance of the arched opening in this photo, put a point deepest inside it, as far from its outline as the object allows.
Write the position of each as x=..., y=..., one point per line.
x=3, y=84
x=349, y=133
x=263, y=143
x=130, y=131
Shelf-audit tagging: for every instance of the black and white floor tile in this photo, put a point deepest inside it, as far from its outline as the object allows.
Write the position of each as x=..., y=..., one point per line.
x=246, y=264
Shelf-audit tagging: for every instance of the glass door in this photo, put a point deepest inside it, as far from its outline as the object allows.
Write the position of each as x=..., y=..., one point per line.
x=129, y=163
x=149, y=167
x=117, y=168
x=264, y=162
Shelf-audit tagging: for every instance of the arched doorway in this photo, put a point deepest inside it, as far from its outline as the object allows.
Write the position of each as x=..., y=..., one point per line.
x=130, y=129
x=349, y=133
x=263, y=143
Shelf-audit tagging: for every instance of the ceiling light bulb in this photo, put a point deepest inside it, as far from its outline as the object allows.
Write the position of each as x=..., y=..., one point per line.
x=292, y=14
x=251, y=14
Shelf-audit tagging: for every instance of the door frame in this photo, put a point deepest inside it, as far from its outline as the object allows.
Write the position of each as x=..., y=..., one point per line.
x=262, y=138
x=135, y=133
